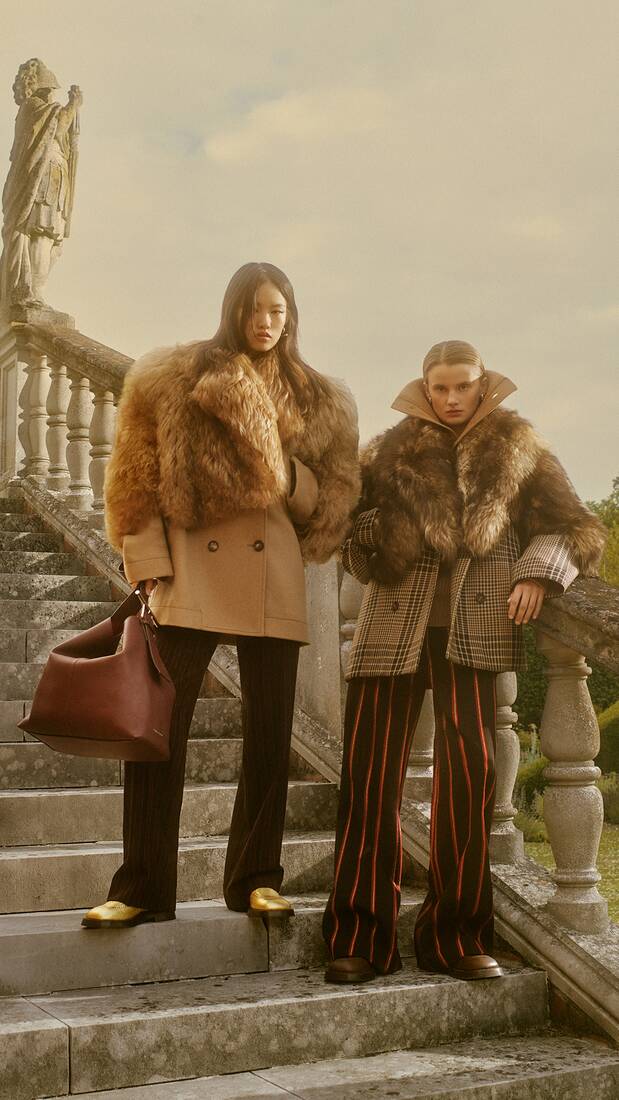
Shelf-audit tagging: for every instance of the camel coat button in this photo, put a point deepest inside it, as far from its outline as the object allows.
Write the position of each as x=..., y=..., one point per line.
x=213, y=546
x=258, y=545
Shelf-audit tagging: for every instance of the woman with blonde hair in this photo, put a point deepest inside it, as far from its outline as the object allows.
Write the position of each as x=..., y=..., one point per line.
x=467, y=523
x=234, y=461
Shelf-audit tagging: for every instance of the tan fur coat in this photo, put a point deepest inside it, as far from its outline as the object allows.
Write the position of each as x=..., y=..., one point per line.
x=203, y=437
x=462, y=499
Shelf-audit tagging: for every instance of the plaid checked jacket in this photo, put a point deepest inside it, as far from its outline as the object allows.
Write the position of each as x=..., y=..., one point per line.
x=494, y=502
x=394, y=617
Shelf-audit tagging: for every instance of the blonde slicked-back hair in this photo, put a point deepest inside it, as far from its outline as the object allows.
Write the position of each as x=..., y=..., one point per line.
x=451, y=352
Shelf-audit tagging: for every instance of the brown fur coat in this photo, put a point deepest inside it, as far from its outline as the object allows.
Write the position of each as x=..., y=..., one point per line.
x=463, y=498
x=202, y=436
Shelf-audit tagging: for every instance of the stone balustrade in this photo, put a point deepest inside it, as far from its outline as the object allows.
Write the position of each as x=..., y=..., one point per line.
x=60, y=393
x=587, y=617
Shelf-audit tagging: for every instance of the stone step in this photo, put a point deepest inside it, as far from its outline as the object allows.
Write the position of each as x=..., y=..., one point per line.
x=30, y=540
x=540, y=1067
x=16, y=586
x=19, y=644
x=31, y=765
x=77, y=876
x=128, y=1036
x=12, y=504
x=18, y=679
x=47, y=952
x=95, y=814
x=17, y=521
x=54, y=614
x=218, y=716
x=34, y=562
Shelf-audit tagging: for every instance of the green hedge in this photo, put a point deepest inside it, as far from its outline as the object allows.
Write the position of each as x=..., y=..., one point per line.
x=608, y=757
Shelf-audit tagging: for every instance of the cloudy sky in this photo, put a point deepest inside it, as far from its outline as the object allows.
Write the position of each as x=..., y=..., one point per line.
x=422, y=169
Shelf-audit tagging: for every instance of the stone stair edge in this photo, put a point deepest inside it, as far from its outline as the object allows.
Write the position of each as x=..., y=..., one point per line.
x=119, y=1036
x=476, y=1076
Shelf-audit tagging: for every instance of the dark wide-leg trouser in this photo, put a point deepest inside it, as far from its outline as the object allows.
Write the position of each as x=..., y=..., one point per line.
x=381, y=714
x=154, y=792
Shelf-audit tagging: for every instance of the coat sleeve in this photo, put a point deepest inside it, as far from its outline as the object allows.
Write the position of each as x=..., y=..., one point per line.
x=132, y=474
x=335, y=465
x=146, y=554
x=551, y=510
x=547, y=558
x=302, y=499
x=359, y=547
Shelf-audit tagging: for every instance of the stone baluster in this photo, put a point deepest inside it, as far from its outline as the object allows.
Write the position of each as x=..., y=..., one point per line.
x=79, y=415
x=56, y=439
x=101, y=440
x=506, y=841
x=22, y=446
x=420, y=770
x=573, y=807
x=38, y=388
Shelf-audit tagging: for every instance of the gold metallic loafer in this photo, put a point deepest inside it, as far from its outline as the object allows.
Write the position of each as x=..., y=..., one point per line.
x=115, y=914
x=474, y=967
x=265, y=902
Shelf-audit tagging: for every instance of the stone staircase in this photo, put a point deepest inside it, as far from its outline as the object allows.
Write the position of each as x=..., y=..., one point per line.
x=199, y=1007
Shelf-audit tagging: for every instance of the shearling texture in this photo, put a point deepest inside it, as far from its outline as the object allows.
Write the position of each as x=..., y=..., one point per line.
x=459, y=498
x=202, y=436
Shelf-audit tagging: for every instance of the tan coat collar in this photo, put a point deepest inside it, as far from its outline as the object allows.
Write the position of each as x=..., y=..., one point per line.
x=412, y=401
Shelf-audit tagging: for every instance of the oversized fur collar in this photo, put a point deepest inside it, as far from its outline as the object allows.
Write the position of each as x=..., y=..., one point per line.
x=203, y=435
x=460, y=496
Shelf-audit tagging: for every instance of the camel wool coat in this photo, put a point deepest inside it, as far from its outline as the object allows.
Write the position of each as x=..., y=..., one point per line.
x=493, y=502
x=199, y=494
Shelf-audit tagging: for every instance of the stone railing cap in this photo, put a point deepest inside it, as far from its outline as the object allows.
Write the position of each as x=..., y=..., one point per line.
x=586, y=619
x=104, y=366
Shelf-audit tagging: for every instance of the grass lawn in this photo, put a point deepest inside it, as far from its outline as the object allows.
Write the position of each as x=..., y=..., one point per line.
x=608, y=865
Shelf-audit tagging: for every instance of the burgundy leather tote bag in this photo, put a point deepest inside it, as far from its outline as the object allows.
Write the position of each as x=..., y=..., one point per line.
x=98, y=698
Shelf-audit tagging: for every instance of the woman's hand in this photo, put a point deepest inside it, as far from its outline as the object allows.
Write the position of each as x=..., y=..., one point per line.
x=525, y=602
x=149, y=586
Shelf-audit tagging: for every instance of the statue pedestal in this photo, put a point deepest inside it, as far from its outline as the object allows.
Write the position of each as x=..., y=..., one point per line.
x=35, y=314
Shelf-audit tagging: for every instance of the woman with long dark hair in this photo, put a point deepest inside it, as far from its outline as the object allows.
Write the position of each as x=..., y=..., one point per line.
x=233, y=463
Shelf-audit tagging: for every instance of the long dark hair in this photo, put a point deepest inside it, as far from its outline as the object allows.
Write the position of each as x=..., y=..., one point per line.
x=237, y=307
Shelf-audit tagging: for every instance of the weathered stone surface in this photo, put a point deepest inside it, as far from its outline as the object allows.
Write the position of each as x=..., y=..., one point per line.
x=46, y=952
x=55, y=613
x=31, y=817
x=32, y=765
x=586, y=619
x=11, y=711
x=299, y=943
x=11, y=521
x=30, y=540
x=545, y=1068
x=217, y=717
x=213, y=760
x=18, y=680
x=13, y=644
x=15, y=586
x=105, y=366
x=232, y=1086
x=39, y=643
x=34, y=1052
x=146, y=1034
x=31, y=561
x=11, y=504
x=77, y=876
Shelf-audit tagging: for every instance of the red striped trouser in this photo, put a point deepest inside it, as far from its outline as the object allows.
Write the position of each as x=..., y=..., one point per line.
x=381, y=714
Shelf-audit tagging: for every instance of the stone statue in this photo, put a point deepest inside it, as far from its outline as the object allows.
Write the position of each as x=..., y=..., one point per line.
x=38, y=194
